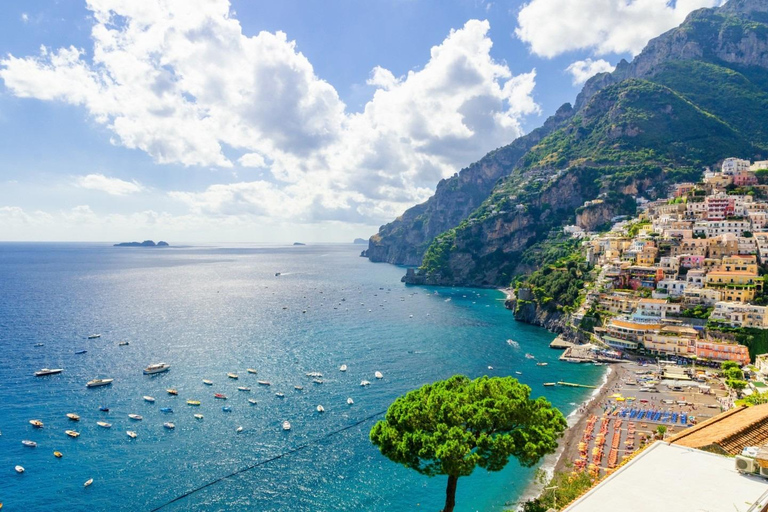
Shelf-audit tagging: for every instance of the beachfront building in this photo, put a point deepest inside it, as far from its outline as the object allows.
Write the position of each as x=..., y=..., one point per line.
x=738, y=314
x=626, y=334
x=672, y=340
x=656, y=308
x=719, y=350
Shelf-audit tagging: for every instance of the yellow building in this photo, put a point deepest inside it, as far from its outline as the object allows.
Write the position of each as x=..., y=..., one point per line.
x=672, y=340
x=740, y=263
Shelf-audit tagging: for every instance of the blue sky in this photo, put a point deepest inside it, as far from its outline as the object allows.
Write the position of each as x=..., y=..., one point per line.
x=254, y=121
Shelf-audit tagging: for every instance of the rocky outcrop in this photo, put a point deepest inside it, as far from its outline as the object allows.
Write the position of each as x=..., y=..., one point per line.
x=528, y=311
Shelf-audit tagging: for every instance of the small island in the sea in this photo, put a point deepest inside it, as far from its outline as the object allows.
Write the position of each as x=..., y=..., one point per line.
x=298, y=243
x=360, y=241
x=145, y=243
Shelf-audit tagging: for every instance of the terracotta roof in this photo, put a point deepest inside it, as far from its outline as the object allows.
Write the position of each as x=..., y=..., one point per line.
x=728, y=432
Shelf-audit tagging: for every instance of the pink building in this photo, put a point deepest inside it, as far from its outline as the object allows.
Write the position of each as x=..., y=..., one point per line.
x=745, y=179
x=719, y=207
x=691, y=260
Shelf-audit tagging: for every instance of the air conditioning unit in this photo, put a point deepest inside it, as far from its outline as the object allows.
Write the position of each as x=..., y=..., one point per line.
x=764, y=472
x=746, y=465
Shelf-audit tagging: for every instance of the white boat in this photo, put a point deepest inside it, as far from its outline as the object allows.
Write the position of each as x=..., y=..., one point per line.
x=490, y=367
x=123, y=344
x=365, y=383
x=350, y=401
x=314, y=374
x=378, y=375
x=542, y=364
x=263, y=383
x=19, y=469
x=94, y=336
x=36, y=423
x=232, y=375
x=199, y=416
x=136, y=417
x=88, y=482
x=149, y=399
x=286, y=425
x=298, y=388
x=131, y=434
x=243, y=388
x=48, y=371
x=239, y=429
x=72, y=433
x=343, y=368
x=29, y=443
x=156, y=368
x=317, y=381
x=518, y=373
x=98, y=382
x=529, y=356
x=251, y=370
x=73, y=416
x=252, y=401
x=207, y=382
x=104, y=424
x=320, y=408
x=549, y=384
x=169, y=425
x=280, y=395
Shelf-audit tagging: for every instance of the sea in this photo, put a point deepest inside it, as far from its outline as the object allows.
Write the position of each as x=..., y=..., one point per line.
x=211, y=310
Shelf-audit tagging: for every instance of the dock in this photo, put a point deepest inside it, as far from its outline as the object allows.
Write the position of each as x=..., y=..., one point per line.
x=573, y=385
x=560, y=343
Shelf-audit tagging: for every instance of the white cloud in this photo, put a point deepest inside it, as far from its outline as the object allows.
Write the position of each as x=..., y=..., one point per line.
x=24, y=17
x=112, y=186
x=179, y=80
x=554, y=27
x=583, y=70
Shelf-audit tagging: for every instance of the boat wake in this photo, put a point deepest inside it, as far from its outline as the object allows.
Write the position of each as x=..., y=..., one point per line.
x=513, y=344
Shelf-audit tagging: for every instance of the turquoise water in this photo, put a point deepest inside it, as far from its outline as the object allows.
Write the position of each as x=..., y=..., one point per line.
x=211, y=310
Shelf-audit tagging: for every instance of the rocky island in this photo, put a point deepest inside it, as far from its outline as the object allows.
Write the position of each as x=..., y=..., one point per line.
x=145, y=243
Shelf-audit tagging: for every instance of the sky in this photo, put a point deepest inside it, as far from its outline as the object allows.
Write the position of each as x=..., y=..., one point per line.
x=278, y=121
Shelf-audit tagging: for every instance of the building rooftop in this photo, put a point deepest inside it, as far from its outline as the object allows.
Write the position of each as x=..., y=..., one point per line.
x=729, y=432
x=653, y=301
x=635, y=325
x=671, y=477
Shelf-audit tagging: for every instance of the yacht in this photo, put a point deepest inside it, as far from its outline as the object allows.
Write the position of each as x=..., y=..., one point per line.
x=243, y=388
x=280, y=395
x=156, y=368
x=317, y=381
x=542, y=364
x=232, y=375
x=48, y=371
x=149, y=399
x=549, y=384
x=172, y=391
x=320, y=408
x=220, y=396
x=365, y=383
x=207, y=382
x=251, y=370
x=343, y=368
x=252, y=401
x=98, y=382
x=263, y=383
x=137, y=417
x=286, y=425
x=94, y=336
x=350, y=401
x=199, y=416
x=193, y=402
x=131, y=434
x=298, y=388
x=36, y=423
x=378, y=375
x=166, y=409
x=123, y=344
x=72, y=433
x=104, y=424
x=169, y=425
x=73, y=416
x=31, y=444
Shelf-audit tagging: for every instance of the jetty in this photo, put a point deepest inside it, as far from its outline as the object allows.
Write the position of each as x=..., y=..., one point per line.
x=574, y=385
x=560, y=343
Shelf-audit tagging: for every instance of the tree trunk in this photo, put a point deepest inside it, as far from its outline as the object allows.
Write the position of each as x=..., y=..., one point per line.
x=450, y=493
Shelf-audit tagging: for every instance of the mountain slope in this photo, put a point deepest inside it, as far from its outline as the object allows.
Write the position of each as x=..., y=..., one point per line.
x=695, y=95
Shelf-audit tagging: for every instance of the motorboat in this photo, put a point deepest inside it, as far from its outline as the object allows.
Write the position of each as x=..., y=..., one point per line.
x=39, y=344
x=219, y=396
x=193, y=402
x=244, y=388
x=529, y=356
x=198, y=416
x=72, y=433
x=277, y=274
x=48, y=371
x=58, y=454
x=350, y=401
x=280, y=395
x=123, y=344
x=131, y=434
x=137, y=417
x=252, y=401
x=19, y=469
x=208, y=382
x=226, y=409
x=343, y=368
x=490, y=367
x=232, y=375
x=104, y=424
x=156, y=368
x=36, y=423
x=149, y=399
x=298, y=388
x=378, y=375
x=263, y=383
x=286, y=425
x=88, y=482
x=542, y=364
x=73, y=416
x=98, y=382
x=94, y=336
x=104, y=408
x=172, y=392
x=27, y=442
x=166, y=409
x=549, y=384
x=239, y=429
x=80, y=352
x=314, y=374
x=320, y=408
x=251, y=370
x=518, y=373
x=317, y=381
x=169, y=425
x=365, y=383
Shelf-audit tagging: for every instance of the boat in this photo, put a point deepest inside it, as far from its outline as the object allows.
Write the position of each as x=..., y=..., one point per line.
x=542, y=364
x=88, y=482
x=149, y=399
x=94, y=336
x=80, y=352
x=598, y=363
x=263, y=383
x=193, y=402
x=48, y=371
x=529, y=356
x=73, y=416
x=27, y=442
x=490, y=367
x=243, y=388
x=252, y=401
x=365, y=383
x=350, y=401
x=104, y=408
x=58, y=454
x=207, y=382
x=320, y=408
x=286, y=425
x=378, y=375
x=131, y=434
x=343, y=368
x=156, y=368
x=239, y=429
x=219, y=396
x=166, y=409
x=199, y=416
x=98, y=382
x=36, y=423
x=104, y=424
x=72, y=433
x=39, y=344
x=19, y=469
x=251, y=370
x=518, y=373
x=232, y=375
x=136, y=417
x=169, y=425
x=298, y=388
x=277, y=274
x=226, y=409
x=123, y=343
x=280, y=395
x=317, y=381
x=549, y=383
x=314, y=374
x=172, y=392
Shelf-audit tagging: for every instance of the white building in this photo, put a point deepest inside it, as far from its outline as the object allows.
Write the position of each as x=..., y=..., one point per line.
x=738, y=314
x=733, y=166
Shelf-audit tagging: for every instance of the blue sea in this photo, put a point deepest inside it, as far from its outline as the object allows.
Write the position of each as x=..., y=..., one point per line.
x=211, y=310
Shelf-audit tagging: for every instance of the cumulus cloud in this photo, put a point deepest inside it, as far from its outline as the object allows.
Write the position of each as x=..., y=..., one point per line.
x=583, y=70
x=554, y=27
x=112, y=186
x=179, y=80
